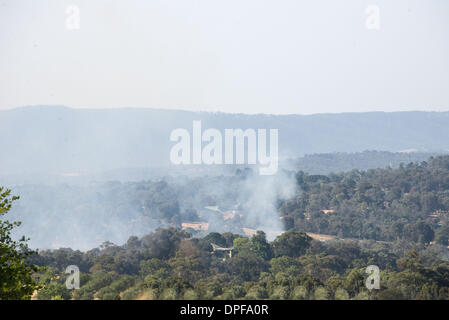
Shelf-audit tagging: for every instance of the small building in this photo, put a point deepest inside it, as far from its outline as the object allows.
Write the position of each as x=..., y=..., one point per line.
x=198, y=226
x=216, y=248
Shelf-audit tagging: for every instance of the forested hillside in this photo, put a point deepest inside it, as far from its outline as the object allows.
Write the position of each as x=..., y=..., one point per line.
x=169, y=264
x=84, y=214
x=326, y=163
x=396, y=219
x=411, y=202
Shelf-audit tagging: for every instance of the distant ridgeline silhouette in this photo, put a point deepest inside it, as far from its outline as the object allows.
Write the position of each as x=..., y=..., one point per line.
x=56, y=139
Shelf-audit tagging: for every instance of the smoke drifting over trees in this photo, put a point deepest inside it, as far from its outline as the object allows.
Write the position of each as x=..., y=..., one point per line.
x=89, y=176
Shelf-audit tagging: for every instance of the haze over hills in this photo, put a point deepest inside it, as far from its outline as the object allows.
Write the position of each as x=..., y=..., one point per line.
x=62, y=162
x=64, y=140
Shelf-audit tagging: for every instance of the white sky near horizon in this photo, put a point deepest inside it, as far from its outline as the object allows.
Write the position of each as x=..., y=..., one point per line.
x=251, y=56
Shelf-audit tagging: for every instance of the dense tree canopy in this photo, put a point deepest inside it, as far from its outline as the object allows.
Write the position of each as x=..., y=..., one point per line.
x=409, y=203
x=16, y=274
x=396, y=219
x=293, y=266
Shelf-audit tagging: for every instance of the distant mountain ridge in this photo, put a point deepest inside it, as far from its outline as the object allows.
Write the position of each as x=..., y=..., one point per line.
x=62, y=139
x=327, y=163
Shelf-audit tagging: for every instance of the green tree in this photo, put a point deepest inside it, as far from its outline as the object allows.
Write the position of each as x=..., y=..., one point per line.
x=16, y=281
x=260, y=246
x=247, y=266
x=54, y=290
x=291, y=243
x=354, y=282
x=285, y=265
x=442, y=236
x=216, y=238
x=243, y=245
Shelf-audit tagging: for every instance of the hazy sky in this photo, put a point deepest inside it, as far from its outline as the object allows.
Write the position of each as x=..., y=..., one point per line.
x=251, y=56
